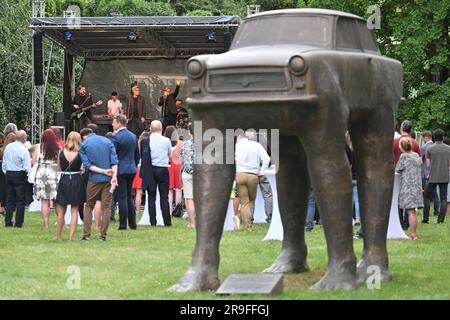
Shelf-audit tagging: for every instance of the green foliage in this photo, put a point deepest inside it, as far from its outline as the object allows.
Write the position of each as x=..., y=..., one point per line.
x=15, y=59
x=430, y=108
x=134, y=8
x=215, y=7
x=200, y=13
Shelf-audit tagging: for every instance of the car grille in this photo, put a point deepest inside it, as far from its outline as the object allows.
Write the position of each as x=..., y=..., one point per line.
x=247, y=80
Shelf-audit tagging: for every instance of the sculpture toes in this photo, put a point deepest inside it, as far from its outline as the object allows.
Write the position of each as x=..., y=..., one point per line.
x=336, y=281
x=196, y=281
x=372, y=273
x=283, y=265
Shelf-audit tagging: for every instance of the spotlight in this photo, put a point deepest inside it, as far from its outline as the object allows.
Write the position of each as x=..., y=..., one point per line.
x=132, y=36
x=68, y=35
x=212, y=36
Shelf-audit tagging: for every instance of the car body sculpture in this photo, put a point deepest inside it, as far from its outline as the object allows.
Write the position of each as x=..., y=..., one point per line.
x=313, y=74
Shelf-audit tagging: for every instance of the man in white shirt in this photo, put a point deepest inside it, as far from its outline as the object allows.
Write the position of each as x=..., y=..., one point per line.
x=248, y=158
x=161, y=149
x=114, y=106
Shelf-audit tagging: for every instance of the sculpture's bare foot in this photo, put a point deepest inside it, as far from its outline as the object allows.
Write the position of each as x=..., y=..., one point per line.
x=337, y=278
x=198, y=279
x=289, y=262
x=372, y=271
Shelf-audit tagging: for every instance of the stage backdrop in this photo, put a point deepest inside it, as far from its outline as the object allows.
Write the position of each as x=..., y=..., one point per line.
x=103, y=77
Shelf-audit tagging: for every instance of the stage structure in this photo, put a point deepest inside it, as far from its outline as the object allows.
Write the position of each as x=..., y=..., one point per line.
x=134, y=43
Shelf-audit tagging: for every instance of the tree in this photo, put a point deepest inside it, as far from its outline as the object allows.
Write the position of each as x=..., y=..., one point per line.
x=134, y=8
x=417, y=34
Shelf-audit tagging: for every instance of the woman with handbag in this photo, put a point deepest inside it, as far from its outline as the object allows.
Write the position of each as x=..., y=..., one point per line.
x=71, y=187
x=46, y=155
x=175, y=183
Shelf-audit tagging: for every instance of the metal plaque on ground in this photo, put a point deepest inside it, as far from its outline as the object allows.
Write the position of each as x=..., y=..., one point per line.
x=252, y=284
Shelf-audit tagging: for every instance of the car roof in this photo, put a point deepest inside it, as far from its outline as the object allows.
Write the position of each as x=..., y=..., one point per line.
x=306, y=11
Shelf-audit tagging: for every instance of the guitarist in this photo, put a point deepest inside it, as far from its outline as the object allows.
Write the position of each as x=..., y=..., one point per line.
x=81, y=100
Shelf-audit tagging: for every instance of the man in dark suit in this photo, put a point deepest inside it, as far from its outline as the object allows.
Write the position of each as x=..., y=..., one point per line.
x=136, y=111
x=155, y=153
x=127, y=151
x=168, y=103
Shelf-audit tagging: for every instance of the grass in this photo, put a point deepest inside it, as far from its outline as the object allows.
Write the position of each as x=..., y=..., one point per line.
x=143, y=264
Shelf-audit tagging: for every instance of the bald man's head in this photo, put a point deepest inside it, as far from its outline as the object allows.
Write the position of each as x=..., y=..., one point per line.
x=21, y=135
x=156, y=126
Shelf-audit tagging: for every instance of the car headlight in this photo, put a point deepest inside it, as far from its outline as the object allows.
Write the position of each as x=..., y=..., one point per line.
x=195, y=68
x=297, y=65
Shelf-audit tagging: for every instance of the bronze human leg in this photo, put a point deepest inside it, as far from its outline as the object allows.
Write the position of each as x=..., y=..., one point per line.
x=293, y=193
x=212, y=188
x=331, y=180
x=372, y=142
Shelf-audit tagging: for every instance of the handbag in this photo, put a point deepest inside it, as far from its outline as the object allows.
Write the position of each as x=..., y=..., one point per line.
x=33, y=171
x=178, y=211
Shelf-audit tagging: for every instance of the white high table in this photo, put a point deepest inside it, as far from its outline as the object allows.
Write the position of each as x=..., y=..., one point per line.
x=145, y=219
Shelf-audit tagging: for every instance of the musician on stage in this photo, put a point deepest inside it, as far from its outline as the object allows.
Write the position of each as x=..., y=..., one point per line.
x=136, y=111
x=114, y=106
x=167, y=102
x=82, y=100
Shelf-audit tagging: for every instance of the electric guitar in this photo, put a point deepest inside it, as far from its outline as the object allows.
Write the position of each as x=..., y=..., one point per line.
x=80, y=112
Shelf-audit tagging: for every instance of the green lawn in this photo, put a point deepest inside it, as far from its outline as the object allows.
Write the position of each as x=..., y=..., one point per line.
x=143, y=264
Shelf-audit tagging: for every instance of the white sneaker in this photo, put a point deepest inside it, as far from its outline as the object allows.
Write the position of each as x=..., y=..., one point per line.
x=237, y=223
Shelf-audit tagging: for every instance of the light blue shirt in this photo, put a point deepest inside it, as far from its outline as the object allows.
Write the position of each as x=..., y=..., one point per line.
x=161, y=149
x=16, y=158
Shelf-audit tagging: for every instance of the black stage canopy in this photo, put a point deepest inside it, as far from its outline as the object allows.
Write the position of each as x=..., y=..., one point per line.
x=106, y=38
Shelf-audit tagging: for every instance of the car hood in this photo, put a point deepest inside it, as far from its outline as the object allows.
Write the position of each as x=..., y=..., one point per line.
x=276, y=55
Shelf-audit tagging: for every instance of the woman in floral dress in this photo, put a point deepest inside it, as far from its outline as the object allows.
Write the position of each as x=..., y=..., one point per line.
x=410, y=195
x=45, y=187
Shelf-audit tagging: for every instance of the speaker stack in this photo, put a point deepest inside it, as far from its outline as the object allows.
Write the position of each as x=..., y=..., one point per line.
x=38, y=59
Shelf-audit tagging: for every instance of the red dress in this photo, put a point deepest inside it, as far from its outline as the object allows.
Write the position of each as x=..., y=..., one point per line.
x=175, y=168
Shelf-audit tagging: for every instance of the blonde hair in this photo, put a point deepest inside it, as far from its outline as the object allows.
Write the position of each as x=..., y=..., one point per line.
x=73, y=141
x=406, y=144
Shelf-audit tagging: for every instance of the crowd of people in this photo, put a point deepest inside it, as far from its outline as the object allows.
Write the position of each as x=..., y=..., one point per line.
x=92, y=173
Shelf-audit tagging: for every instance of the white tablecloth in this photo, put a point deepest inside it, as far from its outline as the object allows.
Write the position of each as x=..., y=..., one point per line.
x=275, y=231
x=395, y=230
x=229, y=224
x=145, y=220
x=68, y=216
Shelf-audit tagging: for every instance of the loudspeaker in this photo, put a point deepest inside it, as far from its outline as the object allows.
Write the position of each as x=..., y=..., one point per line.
x=227, y=40
x=59, y=118
x=38, y=59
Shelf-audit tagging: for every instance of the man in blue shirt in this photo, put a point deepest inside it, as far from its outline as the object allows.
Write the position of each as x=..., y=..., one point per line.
x=156, y=151
x=127, y=151
x=100, y=160
x=16, y=164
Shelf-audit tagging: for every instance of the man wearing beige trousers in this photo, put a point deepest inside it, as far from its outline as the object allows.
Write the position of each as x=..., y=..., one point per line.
x=250, y=159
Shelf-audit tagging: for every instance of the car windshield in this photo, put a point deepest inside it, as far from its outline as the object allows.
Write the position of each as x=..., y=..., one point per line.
x=312, y=30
